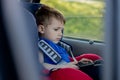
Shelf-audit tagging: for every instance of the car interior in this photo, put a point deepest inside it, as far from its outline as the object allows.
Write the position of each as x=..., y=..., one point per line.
x=79, y=46
x=28, y=9
x=23, y=40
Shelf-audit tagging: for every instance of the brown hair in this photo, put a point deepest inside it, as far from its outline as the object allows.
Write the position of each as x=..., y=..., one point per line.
x=45, y=13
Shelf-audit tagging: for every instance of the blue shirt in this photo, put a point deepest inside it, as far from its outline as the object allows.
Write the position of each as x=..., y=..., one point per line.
x=63, y=53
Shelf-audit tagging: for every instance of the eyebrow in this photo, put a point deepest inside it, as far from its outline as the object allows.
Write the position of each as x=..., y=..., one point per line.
x=60, y=27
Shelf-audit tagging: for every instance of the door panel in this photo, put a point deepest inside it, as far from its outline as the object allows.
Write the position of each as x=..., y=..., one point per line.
x=85, y=46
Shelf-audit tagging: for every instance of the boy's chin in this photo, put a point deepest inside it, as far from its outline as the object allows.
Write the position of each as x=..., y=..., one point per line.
x=56, y=42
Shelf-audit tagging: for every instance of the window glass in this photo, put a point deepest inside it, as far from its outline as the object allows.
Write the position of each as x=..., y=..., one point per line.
x=84, y=18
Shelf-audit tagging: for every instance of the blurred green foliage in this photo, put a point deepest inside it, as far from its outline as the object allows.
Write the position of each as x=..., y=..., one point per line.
x=83, y=19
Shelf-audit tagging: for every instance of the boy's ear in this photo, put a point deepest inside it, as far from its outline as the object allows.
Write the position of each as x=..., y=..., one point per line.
x=41, y=29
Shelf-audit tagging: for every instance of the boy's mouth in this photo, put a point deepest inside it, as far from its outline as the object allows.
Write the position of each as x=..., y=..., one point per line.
x=58, y=39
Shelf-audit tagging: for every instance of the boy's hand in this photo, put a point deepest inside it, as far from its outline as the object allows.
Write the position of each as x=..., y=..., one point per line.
x=70, y=65
x=86, y=61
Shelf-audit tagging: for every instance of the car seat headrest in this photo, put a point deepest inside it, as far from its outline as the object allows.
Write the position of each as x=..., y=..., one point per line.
x=32, y=7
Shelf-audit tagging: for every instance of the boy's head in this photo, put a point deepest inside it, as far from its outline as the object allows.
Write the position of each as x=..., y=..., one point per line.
x=50, y=23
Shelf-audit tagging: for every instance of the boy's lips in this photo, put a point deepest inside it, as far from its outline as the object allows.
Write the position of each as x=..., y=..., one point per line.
x=58, y=38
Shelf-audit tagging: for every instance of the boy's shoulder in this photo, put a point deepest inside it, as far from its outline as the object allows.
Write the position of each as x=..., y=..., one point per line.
x=49, y=51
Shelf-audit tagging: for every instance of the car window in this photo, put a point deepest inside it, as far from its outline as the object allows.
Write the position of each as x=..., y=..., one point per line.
x=84, y=18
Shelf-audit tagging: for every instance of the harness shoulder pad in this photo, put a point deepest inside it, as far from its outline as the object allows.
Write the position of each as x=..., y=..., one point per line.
x=49, y=51
x=65, y=46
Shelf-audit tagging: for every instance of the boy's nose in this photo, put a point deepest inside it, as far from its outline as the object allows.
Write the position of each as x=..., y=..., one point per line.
x=60, y=33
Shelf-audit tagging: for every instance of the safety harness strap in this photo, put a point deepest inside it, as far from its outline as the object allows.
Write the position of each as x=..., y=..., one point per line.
x=49, y=51
x=68, y=49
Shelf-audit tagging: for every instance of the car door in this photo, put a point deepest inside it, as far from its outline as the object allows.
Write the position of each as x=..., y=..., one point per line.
x=80, y=46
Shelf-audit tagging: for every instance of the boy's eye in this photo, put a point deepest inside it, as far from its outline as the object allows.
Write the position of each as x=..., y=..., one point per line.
x=56, y=29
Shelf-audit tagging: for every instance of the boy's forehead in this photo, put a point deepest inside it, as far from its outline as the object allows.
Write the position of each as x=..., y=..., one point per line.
x=54, y=19
x=55, y=23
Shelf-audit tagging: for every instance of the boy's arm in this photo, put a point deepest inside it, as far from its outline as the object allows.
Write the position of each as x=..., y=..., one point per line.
x=68, y=65
x=46, y=65
x=51, y=66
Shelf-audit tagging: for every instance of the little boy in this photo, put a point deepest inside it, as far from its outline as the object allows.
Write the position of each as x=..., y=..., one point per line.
x=50, y=24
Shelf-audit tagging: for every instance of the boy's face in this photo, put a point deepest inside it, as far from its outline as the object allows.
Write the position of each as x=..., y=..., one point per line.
x=53, y=31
